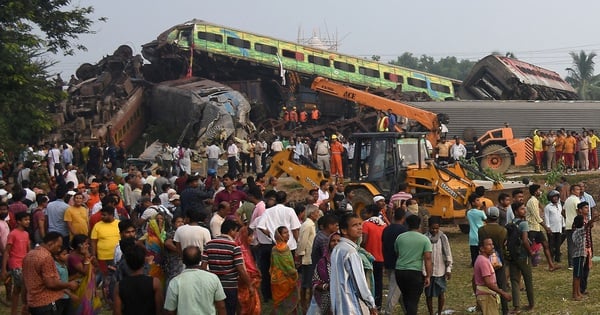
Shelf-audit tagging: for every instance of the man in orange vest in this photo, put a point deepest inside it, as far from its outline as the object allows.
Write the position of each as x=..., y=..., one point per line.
x=303, y=116
x=293, y=118
x=336, y=157
x=315, y=115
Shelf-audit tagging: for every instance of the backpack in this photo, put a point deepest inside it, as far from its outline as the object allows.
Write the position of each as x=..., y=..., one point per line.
x=514, y=243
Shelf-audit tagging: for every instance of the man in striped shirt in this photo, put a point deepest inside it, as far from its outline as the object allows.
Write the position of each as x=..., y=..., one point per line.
x=223, y=257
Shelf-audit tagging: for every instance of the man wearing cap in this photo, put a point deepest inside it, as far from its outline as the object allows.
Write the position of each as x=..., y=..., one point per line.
x=322, y=154
x=39, y=175
x=497, y=233
x=555, y=221
x=175, y=206
x=293, y=118
x=379, y=201
x=537, y=226
x=336, y=157
x=94, y=195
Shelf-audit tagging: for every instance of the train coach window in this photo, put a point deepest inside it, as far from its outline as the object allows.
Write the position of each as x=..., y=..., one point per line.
x=211, y=37
x=292, y=54
x=393, y=77
x=417, y=83
x=344, y=66
x=265, y=48
x=238, y=42
x=368, y=72
x=440, y=88
x=319, y=61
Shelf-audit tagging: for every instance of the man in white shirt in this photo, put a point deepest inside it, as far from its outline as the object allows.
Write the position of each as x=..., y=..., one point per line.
x=555, y=221
x=277, y=145
x=218, y=218
x=570, y=208
x=232, y=159
x=280, y=215
x=192, y=234
x=212, y=153
x=458, y=150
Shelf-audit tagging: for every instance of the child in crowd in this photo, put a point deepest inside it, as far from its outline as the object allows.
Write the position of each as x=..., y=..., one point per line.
x=580, y=265
x=60, y=260
x=17, y=246
x=441, y=257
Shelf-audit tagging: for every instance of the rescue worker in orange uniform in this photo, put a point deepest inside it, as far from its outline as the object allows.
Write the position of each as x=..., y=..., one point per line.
x=303, y=116
x=285, y=116
x=293, y=118
x=336, y=157
x=315, y=115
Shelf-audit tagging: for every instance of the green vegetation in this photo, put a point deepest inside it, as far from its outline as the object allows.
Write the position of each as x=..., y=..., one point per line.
x=449, y=66
x=29, y=32
x=581, y=75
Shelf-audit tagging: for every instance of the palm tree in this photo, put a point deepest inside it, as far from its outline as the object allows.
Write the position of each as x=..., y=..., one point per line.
x=581, y=76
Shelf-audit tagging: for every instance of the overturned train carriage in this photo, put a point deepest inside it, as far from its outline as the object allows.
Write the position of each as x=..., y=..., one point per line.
x=502, y=78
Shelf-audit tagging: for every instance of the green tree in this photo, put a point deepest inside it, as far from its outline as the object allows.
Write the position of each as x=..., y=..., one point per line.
x=448, y=66
x=581, y=75
x=30, y=31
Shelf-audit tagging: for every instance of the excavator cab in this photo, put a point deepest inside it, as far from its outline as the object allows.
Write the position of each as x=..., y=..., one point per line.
x=380, y=162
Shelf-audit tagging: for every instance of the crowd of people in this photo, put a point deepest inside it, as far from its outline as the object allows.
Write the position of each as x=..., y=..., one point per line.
x=578, y=151
x=80, y=229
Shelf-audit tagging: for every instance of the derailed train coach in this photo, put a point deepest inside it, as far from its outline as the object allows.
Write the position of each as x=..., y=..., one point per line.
x=216, y=52
x=502, y=78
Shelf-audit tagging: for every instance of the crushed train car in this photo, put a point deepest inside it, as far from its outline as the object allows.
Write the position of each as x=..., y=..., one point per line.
x=204, y=110
x=105, y=102
x=502, y=78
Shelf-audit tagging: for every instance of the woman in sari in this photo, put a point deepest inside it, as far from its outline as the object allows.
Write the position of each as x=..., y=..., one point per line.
x=322, y=275
x=249, y=298
x=283, y=275
x=80, y=265
x=155, y=245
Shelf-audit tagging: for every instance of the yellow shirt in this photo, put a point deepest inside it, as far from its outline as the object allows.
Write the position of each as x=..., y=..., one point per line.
x=538, y=143
x=594, y=141
x=108, y=237
x=78, y=216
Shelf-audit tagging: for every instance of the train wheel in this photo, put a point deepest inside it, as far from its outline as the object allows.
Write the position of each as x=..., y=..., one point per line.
x=496, y=158
x=362, y=198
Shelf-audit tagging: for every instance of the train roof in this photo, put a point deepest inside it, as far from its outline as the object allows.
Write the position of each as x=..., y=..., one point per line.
x=163, y=39
x=522, y=116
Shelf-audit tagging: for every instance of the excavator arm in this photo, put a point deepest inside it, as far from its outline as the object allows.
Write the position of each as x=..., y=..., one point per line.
x=428, y=119
x=283, y=163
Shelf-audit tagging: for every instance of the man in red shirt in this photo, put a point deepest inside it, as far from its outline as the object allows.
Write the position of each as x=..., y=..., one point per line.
x=372, y=241
x=17, y=246
x=231, y=195
x=41, y=279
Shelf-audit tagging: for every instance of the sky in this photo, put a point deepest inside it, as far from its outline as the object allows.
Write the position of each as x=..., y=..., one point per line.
x=538, y=32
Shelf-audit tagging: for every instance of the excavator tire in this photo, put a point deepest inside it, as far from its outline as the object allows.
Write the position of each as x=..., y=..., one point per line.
x=362, y=198
x=495, y=157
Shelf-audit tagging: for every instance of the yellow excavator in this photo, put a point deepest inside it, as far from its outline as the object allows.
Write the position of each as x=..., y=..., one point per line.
x=383, y=160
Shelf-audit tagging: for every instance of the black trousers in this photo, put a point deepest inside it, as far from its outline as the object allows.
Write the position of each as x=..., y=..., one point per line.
x=378, y=276
x=264, y=264
x=555, y=240
x=410, y=283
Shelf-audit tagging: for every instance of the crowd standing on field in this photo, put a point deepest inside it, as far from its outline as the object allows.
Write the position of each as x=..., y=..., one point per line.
x=82, y=229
